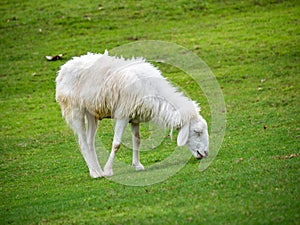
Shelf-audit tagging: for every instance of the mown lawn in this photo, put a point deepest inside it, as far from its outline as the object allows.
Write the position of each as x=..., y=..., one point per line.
x=252, y=47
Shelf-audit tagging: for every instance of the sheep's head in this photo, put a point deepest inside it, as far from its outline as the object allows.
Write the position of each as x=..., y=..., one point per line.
x=194, y=135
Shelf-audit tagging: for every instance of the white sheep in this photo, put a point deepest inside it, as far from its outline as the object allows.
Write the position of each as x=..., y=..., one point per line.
x=97, y=86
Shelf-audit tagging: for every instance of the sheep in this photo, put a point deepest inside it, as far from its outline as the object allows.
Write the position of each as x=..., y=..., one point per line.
x=92, y=87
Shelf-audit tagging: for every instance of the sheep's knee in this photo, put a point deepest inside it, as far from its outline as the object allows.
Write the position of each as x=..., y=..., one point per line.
x=116, y=147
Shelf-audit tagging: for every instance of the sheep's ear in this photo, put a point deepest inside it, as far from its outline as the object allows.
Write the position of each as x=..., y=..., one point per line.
x=183, y=135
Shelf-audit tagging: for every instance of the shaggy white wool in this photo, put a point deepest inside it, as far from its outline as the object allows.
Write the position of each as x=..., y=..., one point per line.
x=114, y=87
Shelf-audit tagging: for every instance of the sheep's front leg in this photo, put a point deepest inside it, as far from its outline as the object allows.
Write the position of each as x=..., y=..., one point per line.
x=119, y=130
x=136, y=145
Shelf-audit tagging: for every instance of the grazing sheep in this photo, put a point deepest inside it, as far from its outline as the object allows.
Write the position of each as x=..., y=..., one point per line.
x=97, y=86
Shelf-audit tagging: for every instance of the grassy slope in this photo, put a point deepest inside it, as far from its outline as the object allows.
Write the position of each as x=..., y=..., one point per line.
x=251, y=181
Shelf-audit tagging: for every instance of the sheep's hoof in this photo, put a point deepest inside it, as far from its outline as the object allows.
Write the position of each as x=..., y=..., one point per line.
x=95, y=174
x=108, y=173
x=139, y=167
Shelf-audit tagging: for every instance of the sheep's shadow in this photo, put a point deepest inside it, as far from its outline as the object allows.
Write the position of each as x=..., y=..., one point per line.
x=158, y=172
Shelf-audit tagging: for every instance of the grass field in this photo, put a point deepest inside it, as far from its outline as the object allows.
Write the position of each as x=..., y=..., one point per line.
x=253, y=49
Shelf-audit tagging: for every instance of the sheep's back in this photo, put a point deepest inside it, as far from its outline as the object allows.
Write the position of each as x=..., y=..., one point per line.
x=102, y=84
x=113, y=87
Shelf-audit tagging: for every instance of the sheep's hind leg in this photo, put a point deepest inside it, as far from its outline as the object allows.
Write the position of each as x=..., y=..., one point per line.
x=77, y=122
x=119, y=130
x=136, y=145
x=92, y=123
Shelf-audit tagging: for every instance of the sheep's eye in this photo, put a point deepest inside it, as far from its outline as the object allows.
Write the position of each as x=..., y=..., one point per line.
x=198, y=132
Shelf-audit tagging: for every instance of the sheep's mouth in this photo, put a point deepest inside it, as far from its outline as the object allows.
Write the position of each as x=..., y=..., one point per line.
x=200, y=156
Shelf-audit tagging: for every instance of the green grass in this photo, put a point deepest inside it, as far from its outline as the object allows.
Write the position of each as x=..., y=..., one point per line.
x=252, y=48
